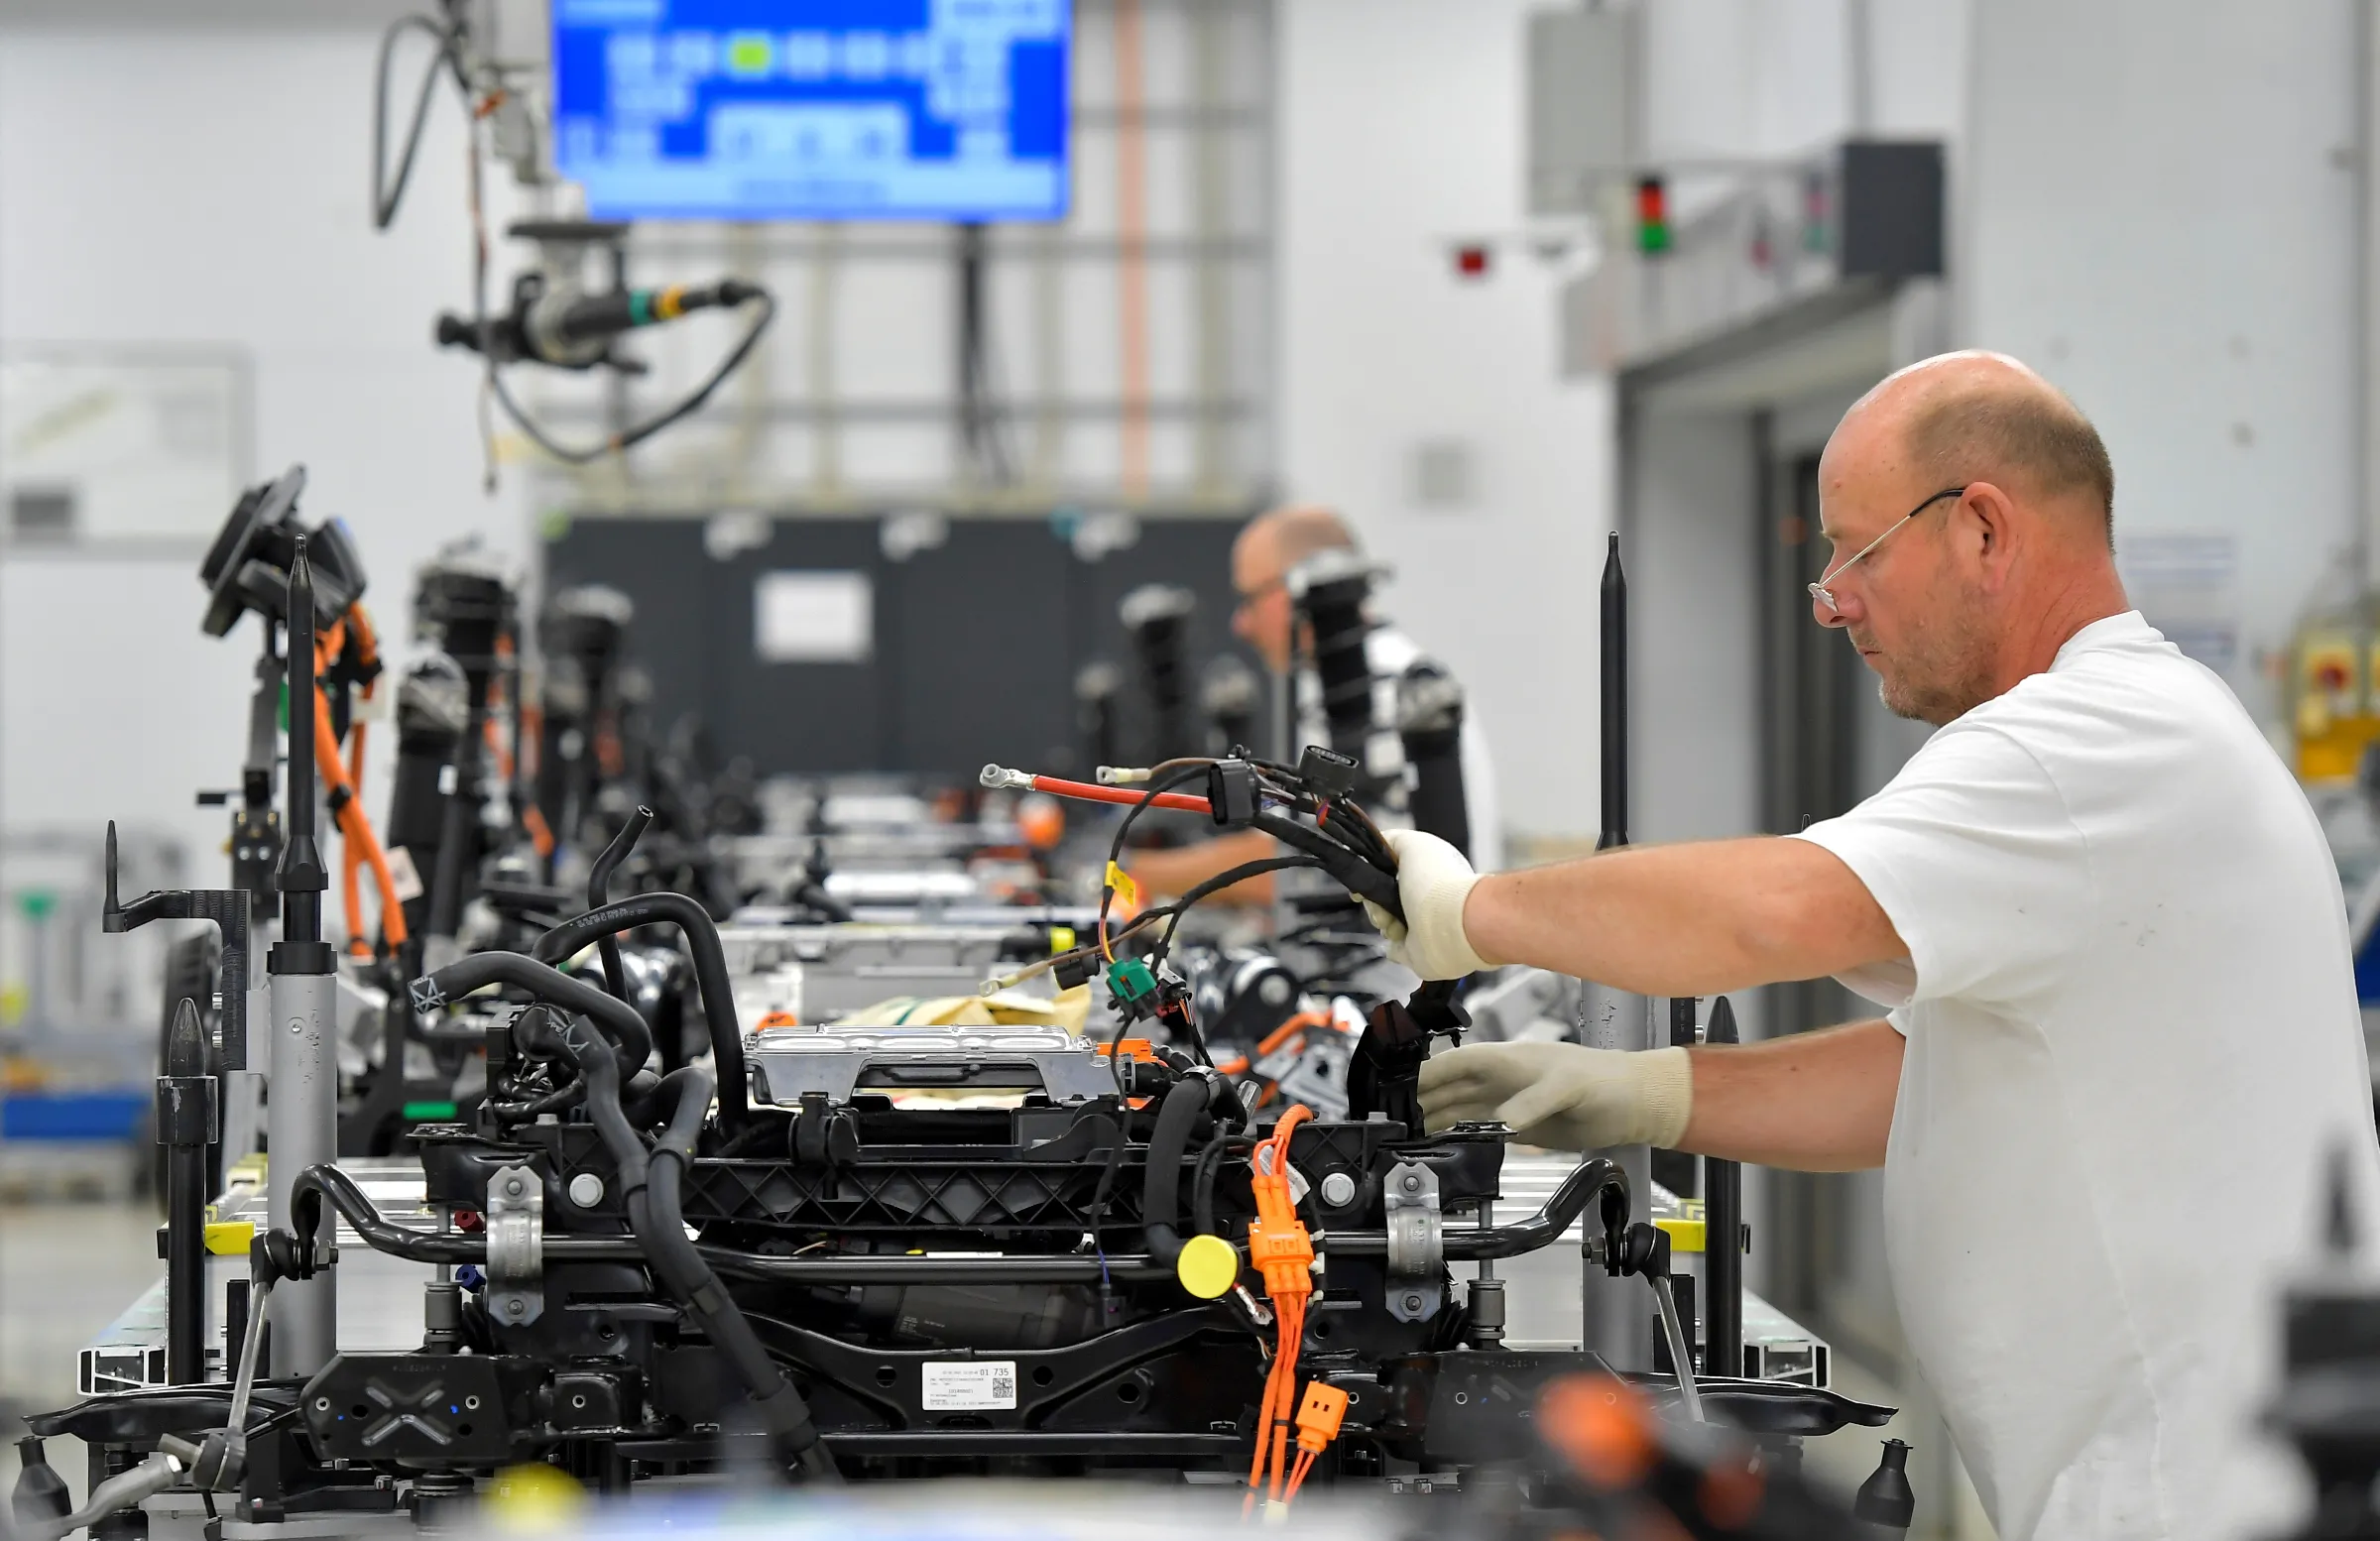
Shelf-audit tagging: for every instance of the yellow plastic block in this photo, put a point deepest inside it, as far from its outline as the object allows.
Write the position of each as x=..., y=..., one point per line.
x=230, y=1237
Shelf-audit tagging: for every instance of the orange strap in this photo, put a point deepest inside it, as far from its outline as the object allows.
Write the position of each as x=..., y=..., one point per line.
x=533, y=820
x=360, y=844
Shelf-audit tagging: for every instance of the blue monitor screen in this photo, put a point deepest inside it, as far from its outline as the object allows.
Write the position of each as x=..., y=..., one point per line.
x=813, y=109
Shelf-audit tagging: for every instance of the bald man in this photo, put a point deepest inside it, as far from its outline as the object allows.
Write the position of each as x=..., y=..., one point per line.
x=2123, y=1043
x=1268, y=549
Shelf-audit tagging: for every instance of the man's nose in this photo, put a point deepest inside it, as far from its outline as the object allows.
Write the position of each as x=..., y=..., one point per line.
x=1846, y=610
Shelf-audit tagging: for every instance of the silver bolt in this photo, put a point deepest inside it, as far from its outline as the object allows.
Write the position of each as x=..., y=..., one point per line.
x=1412, y=1302
x=514, y=1308
x=1412, y=1182
x=513, y=1187
x=1338, y=1190
x=586, y=1190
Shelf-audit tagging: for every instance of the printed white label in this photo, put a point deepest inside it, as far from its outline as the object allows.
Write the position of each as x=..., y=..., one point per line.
x=970, y=1385
x=403, y=876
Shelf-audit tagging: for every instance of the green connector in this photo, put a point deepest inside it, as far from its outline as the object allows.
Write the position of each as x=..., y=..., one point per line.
x=1130, y=980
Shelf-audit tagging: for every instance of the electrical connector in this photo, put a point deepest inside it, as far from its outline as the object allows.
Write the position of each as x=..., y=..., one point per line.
x=1133, y=985
x=1319, y=1417
x=1074, y=968
x=1232, y=793
x=1123, y=775
x=1001, y=779
x=1327, y=773
x=1283, y=1255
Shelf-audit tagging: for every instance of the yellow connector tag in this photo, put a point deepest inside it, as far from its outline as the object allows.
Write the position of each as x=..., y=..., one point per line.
x=1120, y=883
x=1208, y=1268
x=1061, y=939
x=230, y=1237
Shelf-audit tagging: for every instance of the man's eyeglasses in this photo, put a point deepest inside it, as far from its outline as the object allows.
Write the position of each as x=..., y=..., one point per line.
x=1825, y=595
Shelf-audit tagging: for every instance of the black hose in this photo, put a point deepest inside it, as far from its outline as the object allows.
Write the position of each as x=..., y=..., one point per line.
x=711, y=978
x=650, y=1189
x=673, y=1256
x=1202, y=1181
x=567, y=1095
x=324, y=1183
x=384, y=195
x=599, y=880
x=1161, y=1171
x=631, y=1039
x=1597, y=1175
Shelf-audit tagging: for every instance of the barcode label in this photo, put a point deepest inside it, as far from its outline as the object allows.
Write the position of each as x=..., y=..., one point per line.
x=970, y=1385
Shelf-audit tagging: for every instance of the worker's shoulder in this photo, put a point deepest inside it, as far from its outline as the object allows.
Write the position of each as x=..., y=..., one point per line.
x=2128, y=708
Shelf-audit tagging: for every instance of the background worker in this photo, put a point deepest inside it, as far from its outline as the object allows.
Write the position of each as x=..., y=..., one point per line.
x=1267, y=550
x=2123, y=1049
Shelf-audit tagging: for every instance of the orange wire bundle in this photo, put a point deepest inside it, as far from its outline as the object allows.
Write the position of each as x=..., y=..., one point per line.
x=359, y=845
x=1281, y=1250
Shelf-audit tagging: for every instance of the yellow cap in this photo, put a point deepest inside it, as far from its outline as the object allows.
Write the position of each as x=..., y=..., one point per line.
x=1208, y=1268
x=1061, y=939
x=230, y=1237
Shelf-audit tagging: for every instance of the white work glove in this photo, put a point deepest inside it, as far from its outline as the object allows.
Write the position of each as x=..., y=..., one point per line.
x=1432, y=881
x=1564, y=1095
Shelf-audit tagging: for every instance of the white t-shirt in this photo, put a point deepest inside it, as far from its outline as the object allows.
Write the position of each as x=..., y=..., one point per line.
x=2132, y=1046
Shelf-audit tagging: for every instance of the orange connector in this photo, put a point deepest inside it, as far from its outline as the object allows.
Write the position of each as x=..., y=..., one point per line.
x=1284, y=1255
x=1277, y=1242
x=1319, y=1417
x=1318, y=1420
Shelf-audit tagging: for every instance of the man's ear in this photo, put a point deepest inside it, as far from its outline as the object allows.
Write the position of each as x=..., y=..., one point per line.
x=1994, y=519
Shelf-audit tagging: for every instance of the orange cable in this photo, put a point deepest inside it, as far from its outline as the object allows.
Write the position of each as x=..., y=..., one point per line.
x=1280, y=1035
x=360, y=845
x=1283, y=1253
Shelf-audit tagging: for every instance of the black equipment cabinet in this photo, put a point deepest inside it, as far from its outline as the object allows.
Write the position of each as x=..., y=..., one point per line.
x=977, y=640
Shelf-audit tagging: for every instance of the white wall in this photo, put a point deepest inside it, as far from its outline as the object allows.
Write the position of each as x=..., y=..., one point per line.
x=1694, y=628
x=208, y=186
x=1400, y=127
x=2161, y=219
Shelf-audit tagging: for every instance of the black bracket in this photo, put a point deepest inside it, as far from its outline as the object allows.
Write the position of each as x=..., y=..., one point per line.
x=1384, y=1075
x=825, y=1136
x=226, y=908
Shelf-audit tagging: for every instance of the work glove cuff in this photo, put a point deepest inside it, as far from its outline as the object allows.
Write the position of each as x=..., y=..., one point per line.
x=1664, y=1095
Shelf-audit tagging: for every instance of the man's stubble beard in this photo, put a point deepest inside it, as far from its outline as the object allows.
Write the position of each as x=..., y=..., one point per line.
x=1944, y=673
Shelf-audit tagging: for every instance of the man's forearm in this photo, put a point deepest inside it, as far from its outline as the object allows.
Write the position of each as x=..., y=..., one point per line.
x=1697, y=919
x=1169, y=873
x=1814, y=1102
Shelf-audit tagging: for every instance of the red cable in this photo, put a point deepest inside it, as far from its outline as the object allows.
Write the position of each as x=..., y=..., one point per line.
x=1120, y=795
